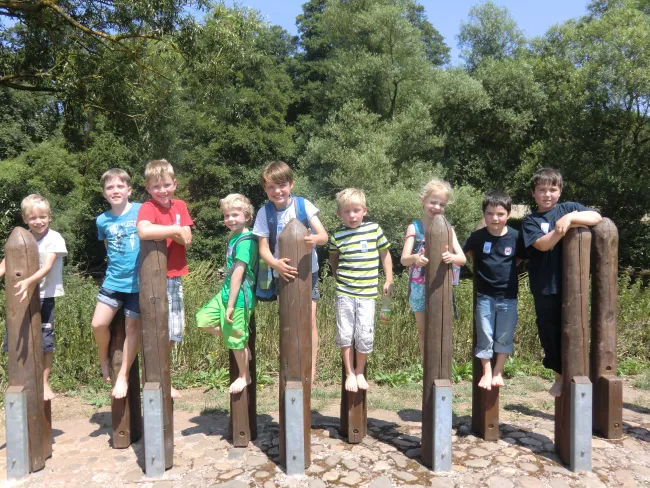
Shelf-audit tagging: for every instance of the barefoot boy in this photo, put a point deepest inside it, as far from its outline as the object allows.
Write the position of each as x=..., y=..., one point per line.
x=355, y=251
x=117, y=228
x=542, y=232
x=164, y=218
x=51, y=250
x=495, y=250
x=229, y=312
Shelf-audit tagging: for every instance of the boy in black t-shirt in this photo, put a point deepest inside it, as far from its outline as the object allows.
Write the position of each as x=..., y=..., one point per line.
x=542, y=231
x=495, y=250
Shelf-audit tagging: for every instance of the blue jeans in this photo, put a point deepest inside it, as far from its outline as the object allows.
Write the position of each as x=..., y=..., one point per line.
x=496, y=319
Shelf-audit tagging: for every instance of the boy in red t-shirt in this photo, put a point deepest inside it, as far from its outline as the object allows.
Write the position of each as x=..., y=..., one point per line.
x=163, y=218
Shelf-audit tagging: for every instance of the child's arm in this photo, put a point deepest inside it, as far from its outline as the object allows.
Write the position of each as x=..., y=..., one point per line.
x=387, y=264
x=188, y=236
x=24, y=285
x=3, y=268
x=457, y=257
x=408, y=258
x=320, y=236
x=235, y=284
x=334, y=262
x=156, y=232
x=568, y=221
x=286, y=271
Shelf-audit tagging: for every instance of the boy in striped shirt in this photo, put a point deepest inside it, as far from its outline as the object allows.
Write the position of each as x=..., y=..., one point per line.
x=355, y=251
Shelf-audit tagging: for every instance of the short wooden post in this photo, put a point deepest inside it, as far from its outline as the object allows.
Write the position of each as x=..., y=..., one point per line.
x=295, y=330
x=155, y=334
x=485, y=404
x=437, y=335
x=576, y=246
x=354, y=409
x=243, y=409
x=125, y=412
x=607, y=388
x=25, y=343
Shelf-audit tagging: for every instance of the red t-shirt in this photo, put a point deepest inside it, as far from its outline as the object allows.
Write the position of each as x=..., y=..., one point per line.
x=176, y=214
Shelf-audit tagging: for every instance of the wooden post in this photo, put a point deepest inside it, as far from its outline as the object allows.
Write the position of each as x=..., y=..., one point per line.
x=354, y=409
x=437, y=335
x=155, y=333
x=243, y=409
x=295, y=329
x=608, y=389
x=125, y=412
x=576, y=246
x=25, y=343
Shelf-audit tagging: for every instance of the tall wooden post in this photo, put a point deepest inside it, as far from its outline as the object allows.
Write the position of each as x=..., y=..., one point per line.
x=576, y=246
x=295, y=330
x=354, y=408
x=485, y=403
x=125, y=412
x=155, y=333
x=437, y=334
x=243, y=408
x=608, y=389
x=25, y=343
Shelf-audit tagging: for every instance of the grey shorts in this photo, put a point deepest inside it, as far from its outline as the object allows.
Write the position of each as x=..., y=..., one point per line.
x=355, y=323
x=47, y=326
x=176, y=309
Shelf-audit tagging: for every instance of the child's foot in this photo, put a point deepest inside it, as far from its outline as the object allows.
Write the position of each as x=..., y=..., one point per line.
x=120, y=388
x=556, y=389
x=361, y=382
x=486, y=381
x=351, y=383
x=106, y=371
x=497, y=380
x=239, y=384
x=176, y=394
x=48, y=394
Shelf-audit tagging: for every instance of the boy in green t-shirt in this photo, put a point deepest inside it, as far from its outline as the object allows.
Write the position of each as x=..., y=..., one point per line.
x=229, y=312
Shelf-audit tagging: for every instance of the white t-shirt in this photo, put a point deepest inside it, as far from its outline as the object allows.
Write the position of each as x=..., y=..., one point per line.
x=52, y=283
x=261, y=227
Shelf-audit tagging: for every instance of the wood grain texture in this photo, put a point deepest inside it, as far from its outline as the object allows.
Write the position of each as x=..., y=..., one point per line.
x=354, y=407
x=243, y=411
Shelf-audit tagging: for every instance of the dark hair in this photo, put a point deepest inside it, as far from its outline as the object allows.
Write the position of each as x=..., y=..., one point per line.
x=277, y=172
x=497, y=198
x=548, y=176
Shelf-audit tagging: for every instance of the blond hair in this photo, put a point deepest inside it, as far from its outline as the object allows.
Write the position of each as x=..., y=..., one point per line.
x=277, y=172
x=436, y=186
x=157, y=170
x=350, y=196
x=30, y=202
x=238, y=202
x=115, y=173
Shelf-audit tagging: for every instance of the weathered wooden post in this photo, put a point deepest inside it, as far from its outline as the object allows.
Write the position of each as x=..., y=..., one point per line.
x=485, y=403
x=576, y=246
x=608, y=389
x=243, y=405
x=155, y=339
x=125, y=412
x=354, y=409
x=295, y=351
x=436, y=406
x=25, y=361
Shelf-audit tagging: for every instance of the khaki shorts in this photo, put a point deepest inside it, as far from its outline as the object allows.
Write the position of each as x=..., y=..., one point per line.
x=355, y=323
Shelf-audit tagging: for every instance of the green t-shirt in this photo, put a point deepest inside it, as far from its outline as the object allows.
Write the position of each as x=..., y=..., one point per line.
x=247, y=253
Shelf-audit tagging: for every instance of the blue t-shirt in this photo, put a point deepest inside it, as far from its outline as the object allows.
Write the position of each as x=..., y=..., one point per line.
x=123, y=249
x=545, y=268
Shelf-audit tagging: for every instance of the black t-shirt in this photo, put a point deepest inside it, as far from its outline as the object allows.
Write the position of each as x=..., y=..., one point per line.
x=545, y=268
x=495, y=261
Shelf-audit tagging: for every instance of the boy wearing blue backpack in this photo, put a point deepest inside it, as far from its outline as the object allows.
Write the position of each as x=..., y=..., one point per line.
x=229, y=312
x=277, y=180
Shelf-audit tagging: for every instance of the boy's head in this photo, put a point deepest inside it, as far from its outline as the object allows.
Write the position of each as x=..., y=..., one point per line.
x=116, y=185
x=435, y=197
x=36, y=213
x=277, y=180
x=546, y=188
x=351, y=207
x=237, y=211
x=160, y=181
x=496, y=210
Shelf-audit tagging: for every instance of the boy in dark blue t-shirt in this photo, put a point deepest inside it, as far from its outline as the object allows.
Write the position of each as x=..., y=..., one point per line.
x=495, y=250
x=542, y=231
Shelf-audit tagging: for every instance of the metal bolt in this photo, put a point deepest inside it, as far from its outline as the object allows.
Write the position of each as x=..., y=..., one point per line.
x=444, y=398
x=150, y=400
x=582, y=453
x=583, y=394
x=442, y=456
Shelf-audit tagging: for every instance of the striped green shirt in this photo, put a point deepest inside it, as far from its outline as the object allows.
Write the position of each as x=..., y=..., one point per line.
x=357, y=274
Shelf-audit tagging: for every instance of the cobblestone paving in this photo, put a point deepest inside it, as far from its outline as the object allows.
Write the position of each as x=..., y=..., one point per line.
x=390, y=455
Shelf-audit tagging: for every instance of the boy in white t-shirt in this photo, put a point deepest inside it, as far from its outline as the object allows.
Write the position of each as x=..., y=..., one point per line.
x=51, y=250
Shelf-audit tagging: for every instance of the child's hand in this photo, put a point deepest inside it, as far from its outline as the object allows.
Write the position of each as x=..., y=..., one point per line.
x=23, y=287
x=563, y=225
x=229, y=311
x=284, y=270
x=310, y=239
x=420, y=259
x=447, y=257
x=389, y=288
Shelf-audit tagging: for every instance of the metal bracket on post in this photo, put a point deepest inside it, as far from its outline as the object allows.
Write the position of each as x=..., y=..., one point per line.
x=154, y=440
x=295, y=436
x=580, y=437
x=441, y=426
x=17, y=433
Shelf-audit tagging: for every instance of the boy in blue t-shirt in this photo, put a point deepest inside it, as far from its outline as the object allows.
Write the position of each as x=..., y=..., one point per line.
x=117, y=228
x=542, y=232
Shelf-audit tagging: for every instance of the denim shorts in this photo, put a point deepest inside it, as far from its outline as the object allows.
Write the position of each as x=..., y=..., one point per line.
x=496, y=319
x=117, y=299
x=47, y=326
x=315, y=292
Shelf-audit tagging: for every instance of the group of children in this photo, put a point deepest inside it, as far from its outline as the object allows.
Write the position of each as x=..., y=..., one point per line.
x=356, y=250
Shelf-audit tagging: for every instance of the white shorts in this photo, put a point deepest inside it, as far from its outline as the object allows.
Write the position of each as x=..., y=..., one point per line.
x=355, y=323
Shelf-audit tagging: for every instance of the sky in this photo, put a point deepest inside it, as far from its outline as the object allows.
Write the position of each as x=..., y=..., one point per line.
x=534, y=17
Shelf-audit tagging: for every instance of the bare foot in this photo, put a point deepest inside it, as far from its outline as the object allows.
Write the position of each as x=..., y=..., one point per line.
x=106, y=372
x=497, y=380
x=361, y=382
x=486, y=381
x=351, y=383
x=120, y=388
x=176, y=394
x=239, y=384
x=556, y=389
x=48, y=394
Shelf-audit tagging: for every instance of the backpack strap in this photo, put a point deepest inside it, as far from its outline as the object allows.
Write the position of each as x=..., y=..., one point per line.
x=301, y=211
x=419, y=236
x=271, y=220
x=247, y=279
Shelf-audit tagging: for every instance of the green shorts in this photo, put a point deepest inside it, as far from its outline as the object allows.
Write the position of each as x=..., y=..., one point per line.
x=213, y=314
